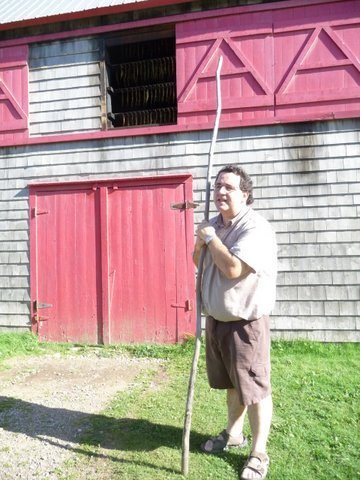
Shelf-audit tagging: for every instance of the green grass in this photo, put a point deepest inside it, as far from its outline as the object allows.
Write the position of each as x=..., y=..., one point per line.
x=314, y=434
x=18, y=344
x=24, y=344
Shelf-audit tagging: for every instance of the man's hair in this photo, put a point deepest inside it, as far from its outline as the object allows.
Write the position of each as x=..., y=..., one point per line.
x=246, y=184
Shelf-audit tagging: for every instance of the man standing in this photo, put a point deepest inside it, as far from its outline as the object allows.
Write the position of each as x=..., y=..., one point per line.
x=238, y=294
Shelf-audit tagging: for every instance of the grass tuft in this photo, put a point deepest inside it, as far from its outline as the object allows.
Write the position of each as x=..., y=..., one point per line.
x=18, y=344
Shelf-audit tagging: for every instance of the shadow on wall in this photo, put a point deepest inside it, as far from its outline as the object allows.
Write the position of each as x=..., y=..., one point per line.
x=303, y=147
x=67, y=52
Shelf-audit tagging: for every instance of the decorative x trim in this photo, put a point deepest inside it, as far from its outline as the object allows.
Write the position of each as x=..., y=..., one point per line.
x=211, y=55
x=8, y=96
x=308, y=47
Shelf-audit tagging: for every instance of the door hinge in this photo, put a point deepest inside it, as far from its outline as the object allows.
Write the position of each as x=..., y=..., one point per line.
x=187, y=306
x=37, y=318
x=184, y=205
x=37, y=305
x=35, y=212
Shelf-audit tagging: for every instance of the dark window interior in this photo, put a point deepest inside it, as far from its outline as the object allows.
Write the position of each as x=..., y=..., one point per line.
x=141, y=79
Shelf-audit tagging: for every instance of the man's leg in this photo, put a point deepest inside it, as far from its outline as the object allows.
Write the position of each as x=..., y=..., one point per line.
x=236, y=413
x=236, y=416
x=260, y=415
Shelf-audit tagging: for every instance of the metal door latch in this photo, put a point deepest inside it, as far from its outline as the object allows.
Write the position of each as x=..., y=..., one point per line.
x=187, y=306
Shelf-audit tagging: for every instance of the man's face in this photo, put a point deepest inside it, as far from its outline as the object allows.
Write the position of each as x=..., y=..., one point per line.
x=228, y=197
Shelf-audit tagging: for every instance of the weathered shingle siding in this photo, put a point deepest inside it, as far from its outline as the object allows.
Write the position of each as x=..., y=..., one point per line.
x=307, y=184
x=64, y=87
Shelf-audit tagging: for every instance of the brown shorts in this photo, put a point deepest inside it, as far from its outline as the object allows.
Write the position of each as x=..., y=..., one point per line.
x=238, y=356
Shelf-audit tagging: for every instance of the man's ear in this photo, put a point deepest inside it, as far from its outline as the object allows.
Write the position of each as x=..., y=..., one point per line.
x=245, y=195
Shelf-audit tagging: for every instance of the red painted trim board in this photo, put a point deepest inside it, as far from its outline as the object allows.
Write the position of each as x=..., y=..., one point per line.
x=101, y=135
x=104, y=249
x=127, y=181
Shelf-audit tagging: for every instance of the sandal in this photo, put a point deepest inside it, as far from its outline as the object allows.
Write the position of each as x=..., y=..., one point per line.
x=223, y=442
x=258, y=463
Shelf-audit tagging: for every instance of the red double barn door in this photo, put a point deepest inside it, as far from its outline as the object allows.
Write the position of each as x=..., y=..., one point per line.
x=111, y=261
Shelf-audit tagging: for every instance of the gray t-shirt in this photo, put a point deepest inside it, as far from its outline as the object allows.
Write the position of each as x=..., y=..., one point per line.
x=250, y=237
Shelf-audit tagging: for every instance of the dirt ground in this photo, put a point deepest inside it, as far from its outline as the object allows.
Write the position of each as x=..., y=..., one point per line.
x=44, y=405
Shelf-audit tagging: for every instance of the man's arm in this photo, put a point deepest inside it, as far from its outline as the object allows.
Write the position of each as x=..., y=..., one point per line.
x=230, y=265
x=199, y=244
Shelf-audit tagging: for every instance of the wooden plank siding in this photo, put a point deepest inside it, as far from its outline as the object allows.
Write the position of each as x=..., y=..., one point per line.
x=64, y=87
x=307, y=179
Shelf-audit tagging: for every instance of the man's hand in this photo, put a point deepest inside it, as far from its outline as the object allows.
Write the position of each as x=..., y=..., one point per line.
x=206, y=232
x=231, y=266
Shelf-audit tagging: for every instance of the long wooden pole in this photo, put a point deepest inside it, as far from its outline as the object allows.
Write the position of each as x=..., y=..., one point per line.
x=194, y=366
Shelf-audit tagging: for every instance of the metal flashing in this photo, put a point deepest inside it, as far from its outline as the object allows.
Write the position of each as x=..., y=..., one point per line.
x=36, y=12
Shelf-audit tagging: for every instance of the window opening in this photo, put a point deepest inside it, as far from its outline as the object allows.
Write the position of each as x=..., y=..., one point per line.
x=141, y=79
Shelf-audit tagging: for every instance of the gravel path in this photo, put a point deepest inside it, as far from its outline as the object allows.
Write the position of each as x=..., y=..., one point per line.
x=45, y=402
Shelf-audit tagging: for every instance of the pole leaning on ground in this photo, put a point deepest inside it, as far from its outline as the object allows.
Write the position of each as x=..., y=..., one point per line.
x=193, y=372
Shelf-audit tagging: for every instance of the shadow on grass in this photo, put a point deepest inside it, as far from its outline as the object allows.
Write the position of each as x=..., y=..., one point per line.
x=76, y=431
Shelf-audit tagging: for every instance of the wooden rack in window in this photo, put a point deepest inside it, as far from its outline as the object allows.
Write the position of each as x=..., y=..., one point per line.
x=143, y=91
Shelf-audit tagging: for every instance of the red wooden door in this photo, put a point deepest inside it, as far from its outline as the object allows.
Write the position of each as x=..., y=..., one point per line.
x=150, y=269
x=65, y=294
x=111, y=262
